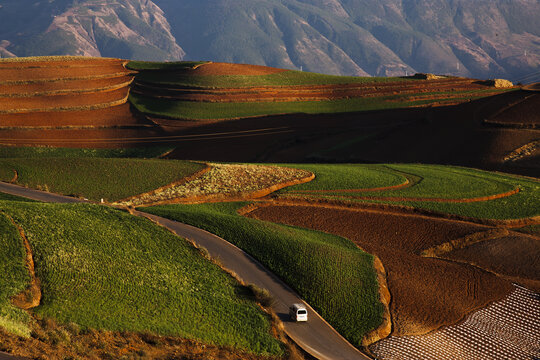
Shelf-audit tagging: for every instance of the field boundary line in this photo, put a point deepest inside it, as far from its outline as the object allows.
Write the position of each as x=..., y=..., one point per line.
x=31, y=296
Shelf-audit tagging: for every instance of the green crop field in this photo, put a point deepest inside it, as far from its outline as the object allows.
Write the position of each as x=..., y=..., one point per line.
x=153, y=65
x=329, y=272
x=231, y=110
x=105, y=269
x=285, y=78
x=426, y=182
x=41, y=151
x=96, y=178
x=14, y=278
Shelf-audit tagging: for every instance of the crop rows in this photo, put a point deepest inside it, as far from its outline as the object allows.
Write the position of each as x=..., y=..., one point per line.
x=508, y=329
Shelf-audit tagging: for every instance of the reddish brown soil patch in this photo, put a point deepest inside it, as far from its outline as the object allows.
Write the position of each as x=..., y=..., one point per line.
x=120, y=115
x=76, y=86
x=51, y=73
x=61, y=102
x=426, y=293
x=60, y=63
x=515, y=257
x=233, y=69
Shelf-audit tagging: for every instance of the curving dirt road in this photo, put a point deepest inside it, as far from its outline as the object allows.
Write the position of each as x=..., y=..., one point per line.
x=316, y=336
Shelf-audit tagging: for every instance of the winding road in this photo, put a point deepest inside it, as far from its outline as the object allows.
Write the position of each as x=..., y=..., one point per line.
x=316, y=336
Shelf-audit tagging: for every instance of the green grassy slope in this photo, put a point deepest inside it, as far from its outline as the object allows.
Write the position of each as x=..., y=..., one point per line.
x=103, y=268
x=329, y=272
x=40, y=152
x=96, y=178
x=172, y=65
x=14, y=279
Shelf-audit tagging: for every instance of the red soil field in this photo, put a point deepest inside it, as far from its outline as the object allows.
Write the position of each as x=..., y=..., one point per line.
x=427, y=293
x=60, y=62
x=35, y=89
x=29, y=74
x=120, y=115
x=515, y=257
x=61, y=102
x=232, y=69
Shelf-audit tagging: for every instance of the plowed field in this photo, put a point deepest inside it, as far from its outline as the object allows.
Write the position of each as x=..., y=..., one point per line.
x=525, y=113
x=66, y=86
x=63, y=102
x=120, y=115
x=232, y=69
x=427, y=293
x=29, y=74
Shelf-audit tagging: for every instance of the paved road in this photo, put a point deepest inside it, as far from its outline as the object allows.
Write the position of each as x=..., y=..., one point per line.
x=316, y=336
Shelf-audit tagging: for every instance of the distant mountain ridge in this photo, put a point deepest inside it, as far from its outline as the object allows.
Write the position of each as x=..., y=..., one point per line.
x=476, y=38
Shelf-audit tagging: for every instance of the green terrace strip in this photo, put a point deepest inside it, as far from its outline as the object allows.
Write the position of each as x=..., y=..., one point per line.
x=329, y=272
x=106, y=269
x=96, y=178
x=42, y=151
x=284, y=78
x=14, y=279
x=437, y=182
x=231, y=110
x=173, y=65
x=10, y=197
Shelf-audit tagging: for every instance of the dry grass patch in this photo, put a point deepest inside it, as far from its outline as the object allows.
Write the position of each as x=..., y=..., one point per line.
x=227, y=182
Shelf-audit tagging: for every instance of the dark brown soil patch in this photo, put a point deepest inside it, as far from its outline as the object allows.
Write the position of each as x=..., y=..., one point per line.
x=233, y=69
x=426, y=293
x=526, y=113
x=515, y=257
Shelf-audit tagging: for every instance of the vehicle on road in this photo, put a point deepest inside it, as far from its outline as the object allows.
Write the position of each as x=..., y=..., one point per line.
x=298, y=312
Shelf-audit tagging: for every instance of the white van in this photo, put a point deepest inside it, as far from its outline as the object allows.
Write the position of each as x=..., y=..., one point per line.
x=298, y=312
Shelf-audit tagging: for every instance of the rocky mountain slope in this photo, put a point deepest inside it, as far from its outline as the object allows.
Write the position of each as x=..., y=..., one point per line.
x=480, y=38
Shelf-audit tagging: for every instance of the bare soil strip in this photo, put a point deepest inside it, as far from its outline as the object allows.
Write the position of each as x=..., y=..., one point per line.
x=31, y=296
x=218, y=68
x=65, y=72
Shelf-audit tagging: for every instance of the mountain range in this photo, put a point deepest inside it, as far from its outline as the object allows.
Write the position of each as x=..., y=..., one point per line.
x=474, y=38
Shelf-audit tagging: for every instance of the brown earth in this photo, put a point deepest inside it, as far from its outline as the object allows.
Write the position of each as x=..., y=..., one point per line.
x=75, y=86
x=232, y=69
x=29, y=74
x=58, y=62
x=114, y=116
x=515, y=257
x=525, y=113
x=427, y=293
x=61, y=102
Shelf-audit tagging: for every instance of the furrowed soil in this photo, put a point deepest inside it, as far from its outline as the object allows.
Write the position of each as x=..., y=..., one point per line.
x=61, y=102
x=524, y=113
x=427, y=293
x=67, y=86
x=29, y=74
x=515, y=257
x=113, y=116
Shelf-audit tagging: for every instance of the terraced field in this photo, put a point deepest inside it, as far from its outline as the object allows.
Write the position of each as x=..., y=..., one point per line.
x=227, y=91
x=40, y=96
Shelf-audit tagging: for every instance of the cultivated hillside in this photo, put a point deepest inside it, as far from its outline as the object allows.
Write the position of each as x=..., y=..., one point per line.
x=481, y=38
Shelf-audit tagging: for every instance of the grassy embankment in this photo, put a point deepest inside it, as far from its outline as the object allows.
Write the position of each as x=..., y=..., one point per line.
x=153, y=65
x=14, y=279
x=42, y=151
x=117, y=272
x=96, y=178
x=329, y=272
x=428, y=182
